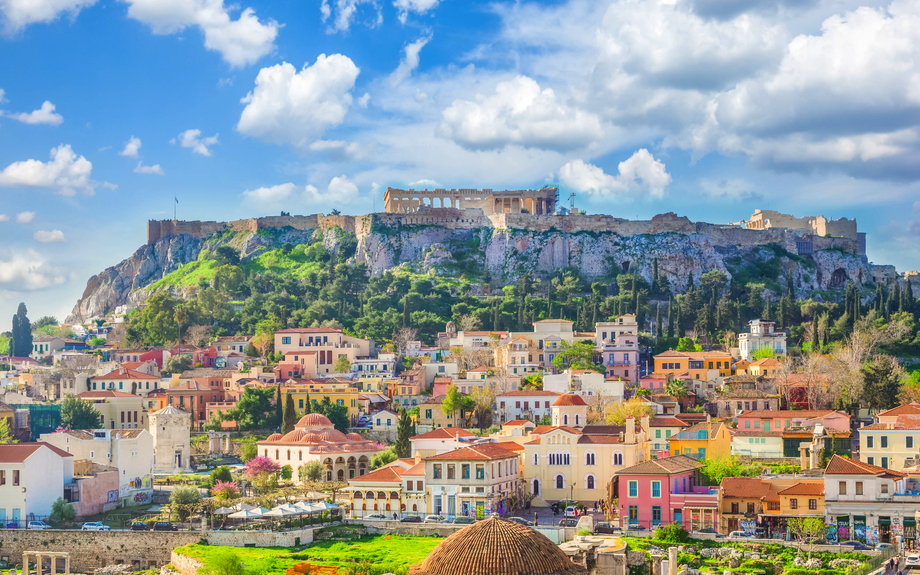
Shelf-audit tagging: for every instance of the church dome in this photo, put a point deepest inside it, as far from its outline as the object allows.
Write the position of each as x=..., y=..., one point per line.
x=497, y=547
x=354, y=436
x=313, y=420
x=332, y=436
x=310, y=437
x=295, y=435
x=274, y=437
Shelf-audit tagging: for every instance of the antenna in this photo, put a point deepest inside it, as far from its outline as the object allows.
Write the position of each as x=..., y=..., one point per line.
x=572, y=200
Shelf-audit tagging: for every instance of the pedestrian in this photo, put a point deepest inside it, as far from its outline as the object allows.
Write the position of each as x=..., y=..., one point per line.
x=535, y=518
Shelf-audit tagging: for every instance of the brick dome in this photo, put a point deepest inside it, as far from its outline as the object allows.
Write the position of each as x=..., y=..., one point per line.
x=314, y=421
x=497, y=547
x=354, y=436
x=293, y=436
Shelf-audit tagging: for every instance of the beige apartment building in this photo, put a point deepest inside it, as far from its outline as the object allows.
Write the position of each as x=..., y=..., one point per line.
x=329, y=343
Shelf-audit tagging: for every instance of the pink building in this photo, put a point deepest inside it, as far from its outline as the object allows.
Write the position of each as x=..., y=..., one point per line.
x=664, y=491
x=621, y=357
x=784, y=419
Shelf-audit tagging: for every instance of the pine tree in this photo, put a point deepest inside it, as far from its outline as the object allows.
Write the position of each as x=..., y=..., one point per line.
x=290, y=416
x=406, y=430
x=791, y=287
x=879, y=297
x=670, y=316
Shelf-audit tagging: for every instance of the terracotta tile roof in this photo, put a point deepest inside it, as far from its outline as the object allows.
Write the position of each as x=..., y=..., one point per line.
x=744, y=487
x=518, y=422
x=909, y=409
x=5, y=407
x=417, y=470
x=484, y=452
x=541, y=429
x=603, y=429
x=904, y=422
x=569, y=399
x=757, y=433
x=667, y=422
x=19, y=452
x=478, y=369
x=599, y=439
x=767, y=362
x=128, y=374
x=445, y=433
x=510, y=445
x=392, y=474
x=103, y=394
x=746, y=394
x=843, y=466
x=532, y=393
x=805, y=488
x=666, y=466
x=695, y=354
x=233, y=339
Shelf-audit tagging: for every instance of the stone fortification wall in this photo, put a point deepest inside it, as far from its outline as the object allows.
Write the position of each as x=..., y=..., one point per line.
x=157, y=229
x=92, y=549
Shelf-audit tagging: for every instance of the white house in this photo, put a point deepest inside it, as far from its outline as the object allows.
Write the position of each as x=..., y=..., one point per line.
x=384, y=420
x=128, y=450
x=441, y=440
x=532, y=404
x=763, y=336
x=32, y=477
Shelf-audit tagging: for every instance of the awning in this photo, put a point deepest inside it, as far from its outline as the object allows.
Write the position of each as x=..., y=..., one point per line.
x=884, y=520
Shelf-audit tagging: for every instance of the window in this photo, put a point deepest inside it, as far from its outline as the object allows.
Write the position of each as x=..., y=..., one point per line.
x=437, y=472
x=451, y=472
x=536, y=459
x=427, y=414
x=793, y=504
x=285, y=340
x=589, y=458
x=560, y=482
x=773, y=506
x=750, y=507
x=656, y=514
x=843, y=488
x=859, y=488
x=2, y=477
x=656, y=489
x=634, y=489
x=885, y=462
x=812, y=504
x=884, y=487
x=909, y=442
x=747, y=423
x=480, y=471
x=15, y=477
x=735, y=507
x=657, y=434
x=870, y=460
x=633, y=514
x=589, y=482
x=883, y=442
x=617, y=458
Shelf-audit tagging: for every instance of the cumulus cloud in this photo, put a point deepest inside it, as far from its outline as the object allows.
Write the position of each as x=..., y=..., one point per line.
x=44, y=115
x=140, y=168
x=917, y=207
x=340, y=189
x=240, y=42
x=409, y=61
x=296, y=108
x=27, y=271
x=54, y=236
x=640, y=173
x=131, y=148
x=417, y=6
x=339, y=149
x=4, y=218
x=346, y=11
x=728, y=188
x=424, y=183
x=17, y=14
x=274, y=196
x=519, y=113
x=192, y=139
x=25, y=217
x=66, y=172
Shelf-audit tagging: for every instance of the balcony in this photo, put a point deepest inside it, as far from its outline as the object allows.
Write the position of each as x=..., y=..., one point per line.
x=619, y=362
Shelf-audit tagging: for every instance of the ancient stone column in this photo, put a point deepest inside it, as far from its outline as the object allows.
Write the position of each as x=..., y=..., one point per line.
x=672, y=560
x=53, y=565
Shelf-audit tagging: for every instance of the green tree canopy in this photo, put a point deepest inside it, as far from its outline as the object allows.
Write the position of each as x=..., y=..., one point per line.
x=79, y=414
x=177, y=364
x=687, y=344
x=254, y=410
x=403, y=433
x=577, y=355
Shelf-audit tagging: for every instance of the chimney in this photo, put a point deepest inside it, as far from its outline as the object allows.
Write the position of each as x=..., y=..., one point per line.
x=645, y=424
x=630, y=429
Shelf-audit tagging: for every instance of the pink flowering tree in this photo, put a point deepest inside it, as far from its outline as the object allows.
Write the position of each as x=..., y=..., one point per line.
x=263, y=472
x=224, y=490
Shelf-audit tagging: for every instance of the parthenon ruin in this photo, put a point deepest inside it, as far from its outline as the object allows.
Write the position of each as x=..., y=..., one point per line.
x=536, y=202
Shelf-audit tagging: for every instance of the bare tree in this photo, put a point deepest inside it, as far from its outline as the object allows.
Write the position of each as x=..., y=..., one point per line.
x=198, y=335
x=401, y=338
x=468, y=322
x=470, y=359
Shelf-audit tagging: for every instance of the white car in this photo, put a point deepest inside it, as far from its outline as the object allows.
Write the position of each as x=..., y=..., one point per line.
x=433, y=519
x=38, y=525
x=570, y=511
x=912, y=561
x=739, y=535
x=95, y=526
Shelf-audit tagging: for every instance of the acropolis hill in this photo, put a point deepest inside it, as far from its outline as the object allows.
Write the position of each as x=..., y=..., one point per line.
x=499, y=235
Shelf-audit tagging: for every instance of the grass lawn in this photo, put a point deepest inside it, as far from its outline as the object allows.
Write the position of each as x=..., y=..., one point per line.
x=385, y=553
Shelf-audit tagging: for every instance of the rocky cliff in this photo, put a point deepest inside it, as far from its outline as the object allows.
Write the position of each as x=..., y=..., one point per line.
x=496, y=256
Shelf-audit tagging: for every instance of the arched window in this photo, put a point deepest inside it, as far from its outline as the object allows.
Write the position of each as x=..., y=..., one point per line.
x=278, y=455
x=289, y=454
x=566, y=458
x=266, y=453
x=577, y=419
x=618, y=458
x=536, y=459
x=300, y=456
x=552, y=459
x=589, y=458
x=560, y=482
x=536, y=487
x=565, y=419
x=589, y=482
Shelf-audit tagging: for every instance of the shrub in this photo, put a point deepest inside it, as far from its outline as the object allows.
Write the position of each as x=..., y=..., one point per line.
x=222, y=473
x=181, y=500
x=61, y=511
x=287, y=472
x=673, y=533
x=584, y=532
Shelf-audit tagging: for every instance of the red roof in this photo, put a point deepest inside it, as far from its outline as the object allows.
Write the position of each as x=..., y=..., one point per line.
x=390, y=474
x=533, y=393
x=909, y=409
x=805, y=488
x=599, y=439
x=478, y=369
x=445, y=433
x=791, y=413
x=695, y=354
x=125, y=374
x=668, y=422
x=569, y=399
x=904, y=422
x=746, y=487
x=19, y=452
x=484, y=452
x=843, y=466
x=103, y=394
x=518, y=422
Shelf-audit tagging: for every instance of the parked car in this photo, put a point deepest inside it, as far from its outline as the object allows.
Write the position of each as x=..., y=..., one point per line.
x=38, y=525
x=139, y=526
x=95, y=526
x=433, y=519
x=605, y=527
x=570, y=511
x=855, y=545
x=411, y=519
x=569, y=522
x=912, y=561
x=883, y=546
x=464, y=521
x=740, y=535
x=521, y=520
x=164, y=526
x=376, y=516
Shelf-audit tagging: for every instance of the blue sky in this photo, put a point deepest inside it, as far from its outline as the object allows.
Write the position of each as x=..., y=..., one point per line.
x=708, y=108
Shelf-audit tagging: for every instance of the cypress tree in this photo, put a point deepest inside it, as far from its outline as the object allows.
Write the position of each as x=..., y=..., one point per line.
x=21, y=342
x=678, y=323
x=278, y=406
x=903, y=305
x=910, y=297
x=791, y=287
x=768, y=309
x=895, y=298
x=655, y=286
x=406, y=430
x=690, y=281
x=658, y=320
x=815, y=345
x=406, y=311
x=670, y=316
x=495, y=318
x=309, y=405
x=879, y=297
x=290, y=416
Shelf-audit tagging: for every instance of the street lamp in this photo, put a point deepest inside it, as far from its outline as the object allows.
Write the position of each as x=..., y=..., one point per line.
x=572, y=493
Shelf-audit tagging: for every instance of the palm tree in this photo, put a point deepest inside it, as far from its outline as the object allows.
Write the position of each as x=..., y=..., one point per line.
x=676, y=388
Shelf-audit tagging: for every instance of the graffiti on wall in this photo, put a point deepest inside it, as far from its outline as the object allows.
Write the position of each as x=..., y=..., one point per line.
x=113, y=496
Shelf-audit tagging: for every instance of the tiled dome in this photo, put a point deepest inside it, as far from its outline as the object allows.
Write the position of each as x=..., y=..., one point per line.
x=332, y=436
x=354, y=436
x=569, y=399
x=274, y=437
x=313, y=420
x=497, y=547
x=295, y=435
x=310, y=437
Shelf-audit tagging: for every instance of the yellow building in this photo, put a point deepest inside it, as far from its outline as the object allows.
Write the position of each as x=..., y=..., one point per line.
x=702, y=440
x=338, y=393
x=766, y=367
x=698, y=364
x=889, y=444
x=804, y=499
x=661, y=430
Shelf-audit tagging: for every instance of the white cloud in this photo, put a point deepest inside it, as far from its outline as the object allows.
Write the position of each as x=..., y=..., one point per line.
x=640, y=173
x=27, y=271
x=519, y=113
x=917, y=207
x=347, y=10
x=409, y=61
x=67, y=173
x=17, y=14
x=154, y=169
x=340, y=189
x=296, y=108
x=240, y=42
x=271, y=197
x=424, y=184
x=131, y=148
x=192, y=139
x=417, y=6
x=45, y=237
x=339, y=149
x=288, y=196
x=44, y=115
x=4, y=218
x=363, y=100
x=728, y=188
x=25, y=217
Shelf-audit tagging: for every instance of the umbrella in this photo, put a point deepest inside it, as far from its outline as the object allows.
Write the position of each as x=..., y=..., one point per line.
x=243, y=507
x=325, y=506
x=249, y=513
x=285, y=511
x=224, y=510
x=307, y=507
